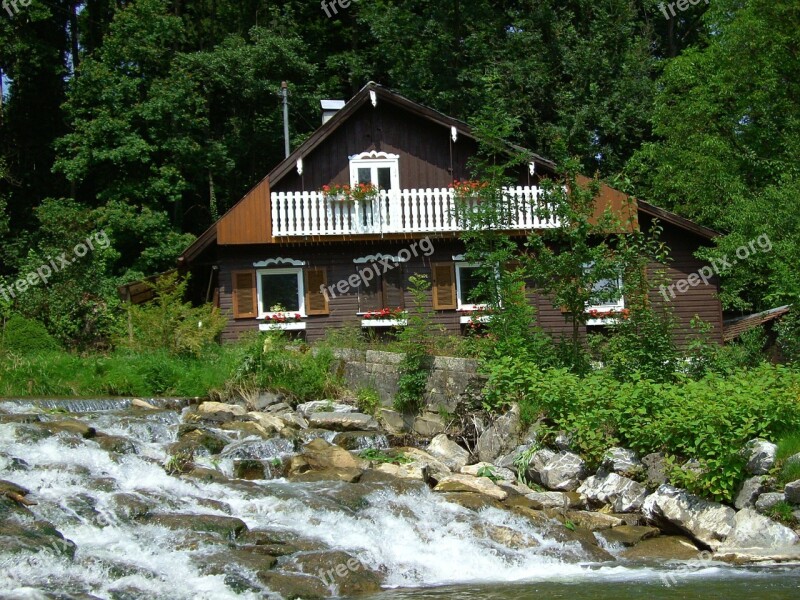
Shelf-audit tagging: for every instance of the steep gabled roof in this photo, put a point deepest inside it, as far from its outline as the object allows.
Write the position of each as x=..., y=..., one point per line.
x=677, y=220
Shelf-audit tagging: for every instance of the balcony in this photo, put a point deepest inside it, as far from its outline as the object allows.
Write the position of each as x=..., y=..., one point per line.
x=403, y=211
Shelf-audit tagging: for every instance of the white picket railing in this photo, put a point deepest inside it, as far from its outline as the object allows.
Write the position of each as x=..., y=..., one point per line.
x=404, y=211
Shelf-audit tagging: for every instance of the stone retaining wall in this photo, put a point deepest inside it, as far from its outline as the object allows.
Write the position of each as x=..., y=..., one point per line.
x=449, y=378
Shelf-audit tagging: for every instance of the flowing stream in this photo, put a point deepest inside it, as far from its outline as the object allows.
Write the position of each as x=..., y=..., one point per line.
x=424, y=546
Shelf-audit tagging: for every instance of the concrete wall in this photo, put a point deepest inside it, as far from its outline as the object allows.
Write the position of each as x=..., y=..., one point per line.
x=448, y=380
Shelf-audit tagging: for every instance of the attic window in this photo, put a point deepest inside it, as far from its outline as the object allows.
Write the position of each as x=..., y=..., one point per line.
x=377, y=168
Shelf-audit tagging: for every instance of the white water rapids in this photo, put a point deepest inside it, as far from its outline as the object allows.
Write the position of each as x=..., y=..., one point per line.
x=415, y=538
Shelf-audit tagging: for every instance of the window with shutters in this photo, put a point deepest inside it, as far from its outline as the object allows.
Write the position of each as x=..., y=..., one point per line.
x=385, y=290
x=467, y=283
x=280, y=291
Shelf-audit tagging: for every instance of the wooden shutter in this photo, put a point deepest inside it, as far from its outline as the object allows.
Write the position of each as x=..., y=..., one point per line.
x=316, y=301
x=393, y=288
x=444, y=286
x=244, y=294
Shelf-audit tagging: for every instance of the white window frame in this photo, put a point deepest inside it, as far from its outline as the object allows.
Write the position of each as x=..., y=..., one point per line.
x=262, y=314
x=617, y=306
x=372, y=160
x=461, y=305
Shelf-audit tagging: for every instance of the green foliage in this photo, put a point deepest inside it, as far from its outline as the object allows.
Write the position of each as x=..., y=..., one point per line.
x=709, y=419
x=415, y=341
x=269, y=362
x=168, y=323
x=367, y=400
x=488, y=472
x=789, y=336
x=783, y=512
x=381, y=456
x=25, y=336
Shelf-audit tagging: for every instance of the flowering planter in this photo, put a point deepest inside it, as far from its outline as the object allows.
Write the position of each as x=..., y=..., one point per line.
x=384, y=322
x=272, y=326
x=467, y=319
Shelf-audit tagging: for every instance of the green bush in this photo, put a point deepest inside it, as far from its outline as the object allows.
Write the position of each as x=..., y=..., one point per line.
x=789, y=335
x=709, y=419
x=415, y=341
x=368, y=400
x=26, y=336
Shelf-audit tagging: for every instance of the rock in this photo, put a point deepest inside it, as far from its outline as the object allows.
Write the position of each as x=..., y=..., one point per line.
x=790, y=554
x=265, y=399
x=198, y=442
x=760, y=456
x=766, y=501
x=656, y=465
x=116, y=444
x=70, y=426
x=563, y=472
x=227, y=527
x=794, y=458
x=750, y=490
x=139, y=403
x=319, y=454
x=752, y=530
x=9, y=487
x=791, y=492
x=509, y=538
x=623, y=494
x=541, y=500
x=707, y=522
x=258, y=449
x=450, y=453
x=436, y=468
x=622, y=461
x=406, y=471
x=428, y=425
x=129, y=506
x=247, y=429
x=497, y=473
x=270, y=423
x=334, y=474
x=593, y=521
x=336, y=568
x=219, y=412
x=467, y=483
x=563, y=441
x=361, y=440
x=392, y=420
x=501, y=437
x=307, y=409
x=248, y=469
x=627, y=535
x=279, y=408
x=206, y=475
x=294, y=420
x=472, y=501
x=664, y=547
x=343, y=421
x=294, y=585
x=536, y=464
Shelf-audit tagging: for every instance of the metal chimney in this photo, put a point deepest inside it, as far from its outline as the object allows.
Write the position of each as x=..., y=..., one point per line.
x=329, y=108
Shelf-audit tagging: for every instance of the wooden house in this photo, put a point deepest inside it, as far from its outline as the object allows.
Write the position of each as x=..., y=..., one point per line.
x=288, y=256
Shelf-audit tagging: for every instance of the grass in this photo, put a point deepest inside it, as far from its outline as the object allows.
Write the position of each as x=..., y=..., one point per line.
x=379, y=456
x=788, y=446
x=783, y=512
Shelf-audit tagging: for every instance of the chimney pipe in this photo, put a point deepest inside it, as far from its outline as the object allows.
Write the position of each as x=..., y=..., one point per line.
x=285, y=94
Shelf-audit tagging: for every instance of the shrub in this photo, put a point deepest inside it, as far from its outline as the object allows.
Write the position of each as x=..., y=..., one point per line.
x=789, y=335
x=415, y=341
x=709, y=419
x=26, y=336
x=368, y=400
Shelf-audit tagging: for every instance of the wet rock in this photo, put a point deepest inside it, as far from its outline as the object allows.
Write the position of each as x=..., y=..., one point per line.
x=37, y=537
x=337, y=569
x=791, y=492
x=750, y=490
x=361, y=440
x=509, y=538
x=472, y=501
x=627, y=535
x=414, y=471
x=428, y=425
x=752, y=530
x=294, y=420
x=436, y=468
x=191, y=441
x=71, y=426
x=622, y=461
x=320, y=455
x=295, y=585
x=116, y=444
x=766, y=501
x=226, y=527
x=246, y=429
x=252, y=449
x=231, y=561
x=248, y=469
x=9, y=487
x=664, y=547
x=483, y=469
x=623, y=494
x=307, y=409
x=218, y=412
x=276, y=542
x=142, y=404
x=500, y=437
x=449, y=452
x=20, y=418
x=270, y=423
x=592, y=521
x=760, y=455
x=207, y=475
x=332, y=474
x=467, y=483
x=562, y=472
x=707, y=522
x=790, y=554
x=656, y=468
x=341, y=421
x=129, y=506
x=542, y=500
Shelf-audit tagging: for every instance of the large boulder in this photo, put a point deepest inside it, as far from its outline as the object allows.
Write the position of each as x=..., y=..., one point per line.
x=219, y=412
x=760, y=456
x=493, y=472
x=623, y=494
x=561, y=472
x=768, y=500
x=320, y=455
x=270, y=423
x=323, y=406
x=343, y=421
x=622, y=461
x=428, y=425
x=541, y=500
x=752, y=530
x=750, y=491
x=656, y=468
x=450, y=453
x=435, y=468
x=468, y=483
x=501, y=437
x=707, y=522
x=792, y=492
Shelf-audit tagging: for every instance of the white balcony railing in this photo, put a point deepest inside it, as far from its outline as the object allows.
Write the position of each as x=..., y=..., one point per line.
x=405, y=211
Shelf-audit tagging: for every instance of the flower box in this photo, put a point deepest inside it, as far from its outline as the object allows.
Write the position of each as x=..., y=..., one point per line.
x=384, y=322
x=289, y=326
